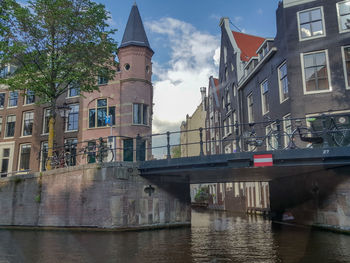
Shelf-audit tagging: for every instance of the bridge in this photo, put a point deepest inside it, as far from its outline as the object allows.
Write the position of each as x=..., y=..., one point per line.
x=239, y=167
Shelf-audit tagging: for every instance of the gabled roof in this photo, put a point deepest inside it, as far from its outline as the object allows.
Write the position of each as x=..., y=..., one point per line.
x=248, y=44
x=134, y=34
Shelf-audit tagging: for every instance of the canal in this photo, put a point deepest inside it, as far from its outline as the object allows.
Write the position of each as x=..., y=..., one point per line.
x=213, y=237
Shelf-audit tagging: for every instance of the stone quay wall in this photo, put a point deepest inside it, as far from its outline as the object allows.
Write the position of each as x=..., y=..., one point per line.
x=108, y=196
x=320, y=199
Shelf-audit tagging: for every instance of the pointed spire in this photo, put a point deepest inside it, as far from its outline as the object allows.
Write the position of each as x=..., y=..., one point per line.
x=134, y=34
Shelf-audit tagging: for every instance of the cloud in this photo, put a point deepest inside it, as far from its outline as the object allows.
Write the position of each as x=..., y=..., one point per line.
x=111, y=22
x=260, y=11
x=237, y=19
x=216, y=57
x=192, y=62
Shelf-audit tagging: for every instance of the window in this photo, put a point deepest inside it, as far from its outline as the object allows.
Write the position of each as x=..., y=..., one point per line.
x=2, y=100
x=311, y=23
x=5, y=71
x=28, y=120
x=250, y=108
x=73, y=118
x=346, y=61
x=102, y=80
x=73, y=90
x=13, y=99
x=287, y=128
x=344, y=16
x=30, y=97
x=228, y=101
x=273, y=144
x=24, y=158
x=264, y=97
x=71, y=147
x=43, y=155
x=140, y=113
x=128, y=150
x=283, y=82
x=5, y=162
x=315, y=72
x=102, y=109
x=46, y=121
x=10, y=126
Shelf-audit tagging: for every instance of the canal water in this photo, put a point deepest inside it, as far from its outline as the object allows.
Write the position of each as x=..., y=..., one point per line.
x=213, y=237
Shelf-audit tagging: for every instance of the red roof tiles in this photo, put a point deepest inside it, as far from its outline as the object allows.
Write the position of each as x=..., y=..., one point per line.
x=248, y=44
x=216, y=82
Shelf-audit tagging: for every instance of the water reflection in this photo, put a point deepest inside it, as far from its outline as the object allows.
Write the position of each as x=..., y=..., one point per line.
x=213, y=237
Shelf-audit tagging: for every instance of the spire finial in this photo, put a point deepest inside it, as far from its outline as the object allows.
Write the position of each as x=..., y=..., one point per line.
x=135, y=3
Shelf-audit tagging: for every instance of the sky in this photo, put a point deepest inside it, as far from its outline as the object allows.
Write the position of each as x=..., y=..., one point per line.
x=185, y=36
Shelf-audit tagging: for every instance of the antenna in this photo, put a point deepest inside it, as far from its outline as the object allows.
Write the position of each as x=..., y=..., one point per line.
x=235, y=26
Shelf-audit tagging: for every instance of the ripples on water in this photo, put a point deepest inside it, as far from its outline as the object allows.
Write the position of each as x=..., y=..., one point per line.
x=213, y=237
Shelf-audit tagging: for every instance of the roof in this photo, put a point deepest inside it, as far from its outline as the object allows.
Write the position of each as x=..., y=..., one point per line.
x=248, y=44
x=134, y=34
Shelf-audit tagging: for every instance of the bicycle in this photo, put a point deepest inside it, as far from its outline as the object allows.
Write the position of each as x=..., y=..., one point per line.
x=99, y=153
x=308, y=137
x=273, y=138
x=58, y=160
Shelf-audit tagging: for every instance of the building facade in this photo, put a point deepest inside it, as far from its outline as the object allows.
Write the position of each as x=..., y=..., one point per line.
x=127, y=99
x=302, y=72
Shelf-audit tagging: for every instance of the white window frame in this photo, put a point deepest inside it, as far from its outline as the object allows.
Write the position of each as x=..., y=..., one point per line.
x=23, y=120
x=303, y=72
x=323, y=23
x=264, y=98
x=280, y=84
x=20, y=155
x=338, y=15
x=269, y=127
x=347, y=86
x=250, y=109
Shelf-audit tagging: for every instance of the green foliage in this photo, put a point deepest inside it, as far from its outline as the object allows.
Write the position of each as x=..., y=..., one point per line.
x=17, y=180
x=202, y=195
x=38, y=198
x=55, y=43
x=176, y=151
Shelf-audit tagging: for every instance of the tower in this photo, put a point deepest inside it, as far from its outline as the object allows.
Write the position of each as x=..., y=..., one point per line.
x=127, y=98
x=136, y=90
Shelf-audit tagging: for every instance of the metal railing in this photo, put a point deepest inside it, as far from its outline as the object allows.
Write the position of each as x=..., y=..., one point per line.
x=285, y=134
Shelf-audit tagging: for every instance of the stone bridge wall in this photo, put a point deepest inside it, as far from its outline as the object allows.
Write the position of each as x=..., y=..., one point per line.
x=111, y=196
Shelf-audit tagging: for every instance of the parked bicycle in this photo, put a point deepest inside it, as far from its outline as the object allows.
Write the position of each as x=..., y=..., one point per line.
x=98, y=152
x=64, y=158
x=273, y=139
x=308, y=137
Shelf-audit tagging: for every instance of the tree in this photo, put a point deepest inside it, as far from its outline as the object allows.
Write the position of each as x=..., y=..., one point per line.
x=55, y=44
x=176, y=151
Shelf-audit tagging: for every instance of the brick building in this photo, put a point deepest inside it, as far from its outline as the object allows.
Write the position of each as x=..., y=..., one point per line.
x=127, y=98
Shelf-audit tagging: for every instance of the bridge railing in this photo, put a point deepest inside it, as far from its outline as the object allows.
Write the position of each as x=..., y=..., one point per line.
x=286, y=134
x=326, y=130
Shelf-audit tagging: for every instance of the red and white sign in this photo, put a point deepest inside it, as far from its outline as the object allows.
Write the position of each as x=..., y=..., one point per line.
x=261, y=160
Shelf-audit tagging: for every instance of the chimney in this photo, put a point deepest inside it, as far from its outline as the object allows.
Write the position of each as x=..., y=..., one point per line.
x=203, y=93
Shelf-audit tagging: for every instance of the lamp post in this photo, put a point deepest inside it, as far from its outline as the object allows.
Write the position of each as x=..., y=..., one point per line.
x=62, y=110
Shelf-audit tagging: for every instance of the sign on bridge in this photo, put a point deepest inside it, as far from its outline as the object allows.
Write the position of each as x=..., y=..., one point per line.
x=261, y=160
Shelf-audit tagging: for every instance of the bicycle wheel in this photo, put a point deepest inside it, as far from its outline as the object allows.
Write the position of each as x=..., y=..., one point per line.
x=297, y=142
x=341, y=136
x=275, y=137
